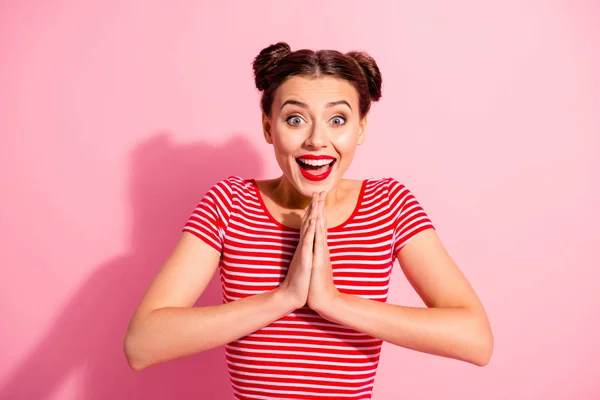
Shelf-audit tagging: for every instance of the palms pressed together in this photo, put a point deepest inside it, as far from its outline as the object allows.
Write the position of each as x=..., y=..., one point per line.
x=321, y=288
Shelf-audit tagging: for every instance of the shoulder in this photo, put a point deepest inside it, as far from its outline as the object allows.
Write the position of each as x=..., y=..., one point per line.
x=225, y=193
x=233, y=186
x=390, y=190
x=392, y=183
x=395, y=187
x=383, y=182
x=388, y=186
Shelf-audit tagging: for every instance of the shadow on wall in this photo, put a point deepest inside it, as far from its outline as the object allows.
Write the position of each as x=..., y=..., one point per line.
x=167, y=181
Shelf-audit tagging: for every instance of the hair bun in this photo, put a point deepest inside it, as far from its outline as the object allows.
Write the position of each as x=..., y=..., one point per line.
x=371, y=71
x=266, y=60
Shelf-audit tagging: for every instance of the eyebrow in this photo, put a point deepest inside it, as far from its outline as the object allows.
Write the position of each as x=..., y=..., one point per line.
x=304, y=105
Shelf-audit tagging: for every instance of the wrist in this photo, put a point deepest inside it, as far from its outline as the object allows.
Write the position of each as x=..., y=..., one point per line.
x=285, y=299
x=325, y=303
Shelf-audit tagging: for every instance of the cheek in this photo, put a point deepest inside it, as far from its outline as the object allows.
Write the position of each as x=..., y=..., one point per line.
x=346, y=142
x=283, y=147
x=286, y=142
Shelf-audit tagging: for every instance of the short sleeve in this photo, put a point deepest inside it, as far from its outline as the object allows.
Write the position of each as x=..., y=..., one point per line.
x=409, y=217
x=210, y=218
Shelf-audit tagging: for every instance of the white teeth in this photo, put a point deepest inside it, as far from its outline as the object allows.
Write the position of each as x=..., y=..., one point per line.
x=316, y=163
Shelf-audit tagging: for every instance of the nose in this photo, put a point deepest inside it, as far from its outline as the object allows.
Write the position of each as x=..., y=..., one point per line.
x=317, y=137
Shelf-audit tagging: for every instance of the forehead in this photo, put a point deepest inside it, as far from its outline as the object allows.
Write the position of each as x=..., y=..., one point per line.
x=316, y=91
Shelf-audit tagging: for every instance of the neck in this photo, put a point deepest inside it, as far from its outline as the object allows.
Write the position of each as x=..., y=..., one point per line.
x=289, y=197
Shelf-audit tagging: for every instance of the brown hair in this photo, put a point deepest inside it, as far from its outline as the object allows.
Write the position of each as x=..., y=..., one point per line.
x=276, y=63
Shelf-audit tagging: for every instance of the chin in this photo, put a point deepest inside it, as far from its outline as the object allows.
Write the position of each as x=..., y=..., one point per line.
x=307, y=188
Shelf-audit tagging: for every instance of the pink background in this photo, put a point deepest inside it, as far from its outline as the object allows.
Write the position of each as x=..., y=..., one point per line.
x=115, y=117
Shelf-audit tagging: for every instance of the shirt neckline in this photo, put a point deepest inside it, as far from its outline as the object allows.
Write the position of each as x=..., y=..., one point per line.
x=335, y=228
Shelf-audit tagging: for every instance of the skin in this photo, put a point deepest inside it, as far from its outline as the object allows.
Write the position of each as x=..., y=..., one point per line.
x=454, y=323
x=303, y=121
x=167, y=326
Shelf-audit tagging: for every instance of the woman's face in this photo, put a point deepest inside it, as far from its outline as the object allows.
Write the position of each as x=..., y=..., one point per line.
x=310, y=118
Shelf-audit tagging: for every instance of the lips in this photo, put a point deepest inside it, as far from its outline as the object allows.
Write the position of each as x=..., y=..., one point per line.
x=316, y=157
x=315, y=167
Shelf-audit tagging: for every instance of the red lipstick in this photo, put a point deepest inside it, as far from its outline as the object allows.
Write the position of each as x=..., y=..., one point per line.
x=313, y=157
x=313, y=177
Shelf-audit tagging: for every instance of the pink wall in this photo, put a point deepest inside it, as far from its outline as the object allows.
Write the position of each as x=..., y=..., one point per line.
x=116, y=116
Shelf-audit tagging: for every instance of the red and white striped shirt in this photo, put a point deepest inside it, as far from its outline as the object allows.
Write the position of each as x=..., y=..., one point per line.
x=303, y=355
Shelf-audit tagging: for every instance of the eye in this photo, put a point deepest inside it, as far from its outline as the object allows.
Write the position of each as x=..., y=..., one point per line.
x=338, y=120
x=294, y=120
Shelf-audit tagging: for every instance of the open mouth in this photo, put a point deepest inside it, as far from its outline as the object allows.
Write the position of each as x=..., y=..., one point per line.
x=315, y=170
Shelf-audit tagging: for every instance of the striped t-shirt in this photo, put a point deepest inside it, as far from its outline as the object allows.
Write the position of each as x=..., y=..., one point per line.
x=303, y=355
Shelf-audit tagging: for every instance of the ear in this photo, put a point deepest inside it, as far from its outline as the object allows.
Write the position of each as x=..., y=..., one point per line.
x=362, y=128
x=266, y=124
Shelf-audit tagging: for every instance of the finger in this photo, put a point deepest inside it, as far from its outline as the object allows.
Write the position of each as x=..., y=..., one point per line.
x=324, y=216
x=322, y=212
x=318, y=249
x=303, y=230
x=314, y=212
x=307, y=215
x=307, y=246
x=307, y=212
x=323, y=223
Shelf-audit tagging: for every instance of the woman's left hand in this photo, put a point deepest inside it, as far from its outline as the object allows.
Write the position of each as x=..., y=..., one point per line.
x=322, y=289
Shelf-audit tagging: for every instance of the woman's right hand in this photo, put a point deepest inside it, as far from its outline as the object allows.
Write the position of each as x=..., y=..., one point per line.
x=297, y=281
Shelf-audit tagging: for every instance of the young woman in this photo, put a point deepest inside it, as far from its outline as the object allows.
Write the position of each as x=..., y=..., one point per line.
x=305, y=259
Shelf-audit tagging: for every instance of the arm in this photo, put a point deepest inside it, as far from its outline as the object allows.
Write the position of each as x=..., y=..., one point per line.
x=166, y=326
x=453, y=325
